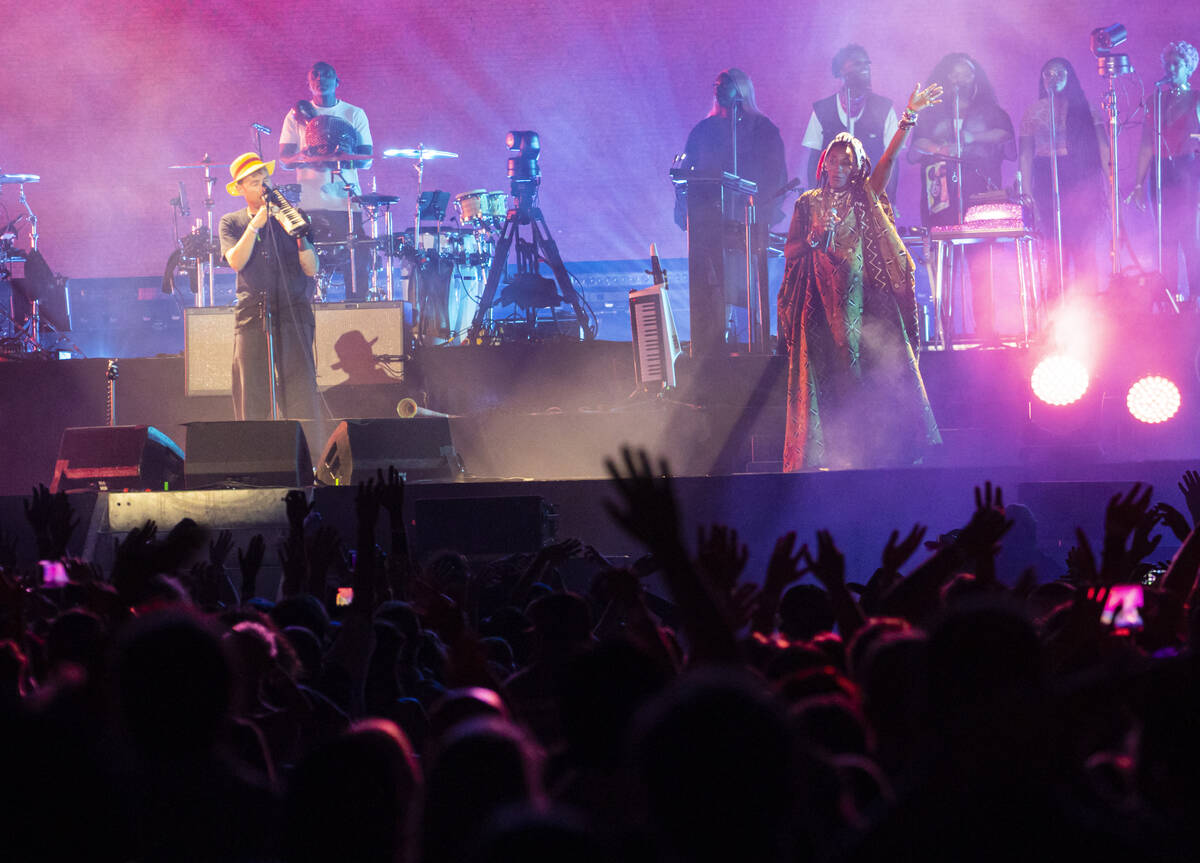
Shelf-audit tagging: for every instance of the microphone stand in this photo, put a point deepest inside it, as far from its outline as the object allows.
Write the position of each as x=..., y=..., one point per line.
x=958, y=152
x=1054, y=187
x=1158, y=157
x=269, y=312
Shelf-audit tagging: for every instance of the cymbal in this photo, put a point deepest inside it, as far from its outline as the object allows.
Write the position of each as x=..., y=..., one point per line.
x=312, y=159
x=420, y=152
x=374, y=200
x=6, y=179
x=203, y=163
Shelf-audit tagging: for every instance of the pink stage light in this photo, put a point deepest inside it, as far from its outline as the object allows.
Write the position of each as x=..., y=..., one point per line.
x=1153, y=399
x=1059, y=380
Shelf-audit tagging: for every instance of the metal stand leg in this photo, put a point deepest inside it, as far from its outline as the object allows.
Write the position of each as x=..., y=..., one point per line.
x=1022, y=286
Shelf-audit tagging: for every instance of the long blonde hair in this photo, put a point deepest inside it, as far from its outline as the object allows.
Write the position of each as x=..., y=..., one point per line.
x=745, y=89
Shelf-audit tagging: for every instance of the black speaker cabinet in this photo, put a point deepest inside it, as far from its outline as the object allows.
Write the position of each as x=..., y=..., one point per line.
x=117, y=457
x=250, y=453
x=419, y=447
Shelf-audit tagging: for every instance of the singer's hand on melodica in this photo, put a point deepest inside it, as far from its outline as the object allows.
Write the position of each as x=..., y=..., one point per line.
x=260, y=219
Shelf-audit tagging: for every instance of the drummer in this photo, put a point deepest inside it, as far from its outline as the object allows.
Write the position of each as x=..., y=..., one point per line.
x=327, y=124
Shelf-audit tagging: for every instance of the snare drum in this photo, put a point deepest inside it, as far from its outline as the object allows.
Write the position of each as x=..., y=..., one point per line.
x=472, y=207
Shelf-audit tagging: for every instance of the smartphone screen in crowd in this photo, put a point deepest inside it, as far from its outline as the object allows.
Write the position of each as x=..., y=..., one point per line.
x=1123, y=608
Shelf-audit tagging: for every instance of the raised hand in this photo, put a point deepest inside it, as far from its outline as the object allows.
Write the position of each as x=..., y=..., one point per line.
x=1124, y=514
x=720, y=557
x=324, y=547
x=895, y=556
x=987, y=524
x=1143, y=544
x=785, y=568
x=1189, y=487
x=391, y=494
x=829, y=567
x=52, y=521
x=218, y=549
x=298, y=508
x=920, y=99
x=250, y=563
x=647, y=509
x=1122, y=517
x=1173, y=519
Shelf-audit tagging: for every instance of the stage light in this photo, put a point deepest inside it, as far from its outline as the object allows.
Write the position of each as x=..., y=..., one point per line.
x=1153, y=399
x=1059, y=380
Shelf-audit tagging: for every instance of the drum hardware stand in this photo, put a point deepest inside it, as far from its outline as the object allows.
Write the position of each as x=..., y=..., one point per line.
x=371, y=205
x=351, y=189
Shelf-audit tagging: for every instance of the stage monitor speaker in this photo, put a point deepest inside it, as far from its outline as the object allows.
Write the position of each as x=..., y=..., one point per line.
x=256, y=453
x=117, y=457
x=484, y=525
x=355, y=344
x=420, y=448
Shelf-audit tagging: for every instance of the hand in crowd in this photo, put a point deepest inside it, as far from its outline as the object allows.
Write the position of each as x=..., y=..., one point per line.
x=391, y=494
x=980, y=539
x=52, y=521
x=298, y=507
x=1173, y=519
x=895, y=554
x=720, y=558
x=250, y=562
x=1123, y=517
x=1189, y=487
x=647, y=509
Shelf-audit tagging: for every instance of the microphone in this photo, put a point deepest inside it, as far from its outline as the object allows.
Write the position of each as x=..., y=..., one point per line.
x=259, y=127
x=1163, y=81
x=183, y=204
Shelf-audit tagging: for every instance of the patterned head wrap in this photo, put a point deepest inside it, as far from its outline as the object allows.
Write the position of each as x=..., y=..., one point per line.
x=862, y=162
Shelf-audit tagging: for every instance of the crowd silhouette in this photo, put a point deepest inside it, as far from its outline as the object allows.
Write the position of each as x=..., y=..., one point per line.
x=971, y=705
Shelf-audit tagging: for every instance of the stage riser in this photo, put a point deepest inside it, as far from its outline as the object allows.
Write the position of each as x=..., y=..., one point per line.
x=557, y=410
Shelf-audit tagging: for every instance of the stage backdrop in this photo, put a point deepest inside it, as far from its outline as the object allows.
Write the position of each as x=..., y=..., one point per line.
x=100, y=98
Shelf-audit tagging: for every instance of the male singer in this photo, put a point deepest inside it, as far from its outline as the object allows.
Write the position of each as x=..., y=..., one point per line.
x=326, y=124
x=274, y=275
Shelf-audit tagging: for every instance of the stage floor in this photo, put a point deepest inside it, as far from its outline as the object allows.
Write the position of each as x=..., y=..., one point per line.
x=555, y=410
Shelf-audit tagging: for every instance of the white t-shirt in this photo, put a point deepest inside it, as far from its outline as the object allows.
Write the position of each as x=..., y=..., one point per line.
x=814, y=135
x=319, y=190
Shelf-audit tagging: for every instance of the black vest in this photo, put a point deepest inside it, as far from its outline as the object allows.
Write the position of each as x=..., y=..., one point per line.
x=868, y=128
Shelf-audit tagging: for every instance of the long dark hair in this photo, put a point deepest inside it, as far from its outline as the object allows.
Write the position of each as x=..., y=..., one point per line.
x=1081, y=130
x=985, y=93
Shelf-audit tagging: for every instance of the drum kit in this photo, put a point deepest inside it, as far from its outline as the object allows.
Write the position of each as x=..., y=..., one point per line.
x=440, y=268
x=35, y=315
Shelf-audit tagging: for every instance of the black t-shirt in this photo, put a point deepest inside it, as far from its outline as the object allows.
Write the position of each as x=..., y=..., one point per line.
x=261, y=277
